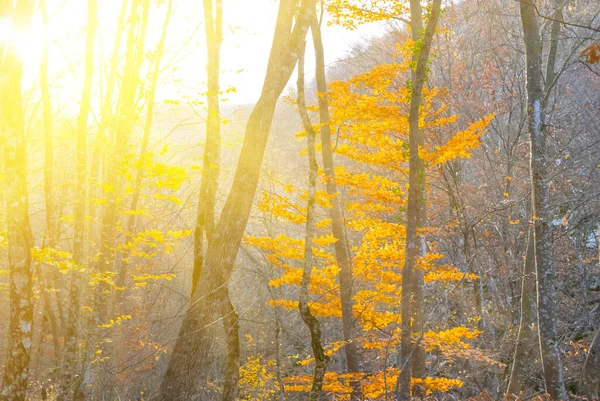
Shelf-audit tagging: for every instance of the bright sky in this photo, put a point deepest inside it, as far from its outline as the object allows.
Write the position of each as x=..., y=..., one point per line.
x=248, y=31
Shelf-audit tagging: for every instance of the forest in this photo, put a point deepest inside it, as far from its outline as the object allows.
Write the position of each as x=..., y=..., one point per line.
x=269, y=200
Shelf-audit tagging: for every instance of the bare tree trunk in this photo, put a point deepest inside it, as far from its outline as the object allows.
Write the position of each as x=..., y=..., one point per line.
x=415, y=213
x=541, y=211
x=205, y=218
x=338, y=227
x=309, y=319
x=49, y=192
x=191, y=350
x=590, y=377
x=20, y=241
x=71, y=359
x=525, y=335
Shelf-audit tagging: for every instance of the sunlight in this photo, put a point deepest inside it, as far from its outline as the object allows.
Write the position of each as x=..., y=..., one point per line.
x=28, y=42
x=383, y=200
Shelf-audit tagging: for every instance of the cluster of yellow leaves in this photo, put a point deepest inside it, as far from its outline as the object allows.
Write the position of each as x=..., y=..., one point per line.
x=352, y=13
x=115, y=322
x=53, y=257
x=150, y=243
x=257, y=379
x=144, y=279
x=373, y=386
x=460, y=145
x=107, y=278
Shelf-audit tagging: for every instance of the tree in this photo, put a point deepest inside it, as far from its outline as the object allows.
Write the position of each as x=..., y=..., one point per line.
x=311, y=322
x=415, y=211
x=20, y=240
x=541, y=210
x=71, y=357
x=338, y=228
x=195, y=336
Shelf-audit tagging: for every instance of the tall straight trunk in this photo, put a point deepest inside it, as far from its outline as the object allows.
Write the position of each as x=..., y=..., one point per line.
x=71, y=360
x=205, y=218
x=415, y=213
x=19, y=236
x=590, y=376
x=314, y=327
x=192, y=348
x=49, y=192
x=541, y=210
x=338, y=228
x=525, y=335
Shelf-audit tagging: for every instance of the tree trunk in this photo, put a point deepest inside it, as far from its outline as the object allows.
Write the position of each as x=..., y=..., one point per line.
x=311, y=322
x=525, y=335
x=71, y=359
x=541, y=211
x=338, y=227
x=415, y=213
x=191, y=350
x=49, y=192
x=19, y=237
x=205, y=218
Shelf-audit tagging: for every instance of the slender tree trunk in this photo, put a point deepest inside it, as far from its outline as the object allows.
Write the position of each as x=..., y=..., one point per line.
x=205, y=218
x=525, y=335
x=338, y=227
x=542, y=213
x=311, y=322
x=19, y=236
x=191, y=350
x=49, y=192
x=71, y=359
x=415, y=213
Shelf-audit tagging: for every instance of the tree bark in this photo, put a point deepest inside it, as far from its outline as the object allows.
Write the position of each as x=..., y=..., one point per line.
x=19, y=236
x=542, y=213
x=415, y=213
x=71, y=359
x=49, y=191
x=311, y=322
x=338, y=227
x=205, y=218
x=191, y=350
x=525, y=335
